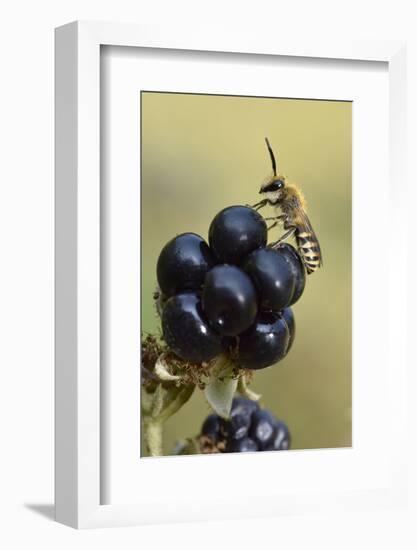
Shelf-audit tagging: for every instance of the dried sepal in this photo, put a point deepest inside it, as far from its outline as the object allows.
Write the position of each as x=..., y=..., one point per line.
x=162, y=370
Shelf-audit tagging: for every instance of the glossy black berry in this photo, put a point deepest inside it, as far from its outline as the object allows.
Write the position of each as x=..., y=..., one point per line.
x=262, y=428
x=230, y=344
x=242, y=405
x=297, y=268
x=265, y=343
x=288, y=316
x=281, y=439
x=186, y=332
x=237, y=426
x=244, y=445
x=211, y=426
x=235, y=232
x=183, y=264
x=273, y=278
x=229, y=300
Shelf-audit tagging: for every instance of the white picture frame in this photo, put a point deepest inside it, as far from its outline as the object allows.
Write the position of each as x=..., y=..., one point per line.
x=78, y=265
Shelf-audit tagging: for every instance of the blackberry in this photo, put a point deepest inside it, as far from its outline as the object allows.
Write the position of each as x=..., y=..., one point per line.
x=232, y=296
x=248, y=429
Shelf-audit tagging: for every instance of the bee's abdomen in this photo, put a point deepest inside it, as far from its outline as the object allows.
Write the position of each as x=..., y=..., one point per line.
x=309, y=251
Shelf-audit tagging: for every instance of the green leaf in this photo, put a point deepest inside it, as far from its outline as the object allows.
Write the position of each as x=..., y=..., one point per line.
x=221, y=387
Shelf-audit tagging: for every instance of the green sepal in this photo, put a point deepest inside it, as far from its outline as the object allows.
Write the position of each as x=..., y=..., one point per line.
x=221, y=386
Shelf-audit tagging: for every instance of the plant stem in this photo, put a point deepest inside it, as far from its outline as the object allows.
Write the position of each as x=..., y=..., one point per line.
x=246, y=391
x=164, y=405
x=153, y=436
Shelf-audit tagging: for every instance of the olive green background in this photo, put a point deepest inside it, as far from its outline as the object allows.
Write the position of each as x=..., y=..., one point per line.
x=201, y=153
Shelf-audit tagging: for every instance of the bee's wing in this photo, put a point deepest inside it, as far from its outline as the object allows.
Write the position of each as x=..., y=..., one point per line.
x=305, y=225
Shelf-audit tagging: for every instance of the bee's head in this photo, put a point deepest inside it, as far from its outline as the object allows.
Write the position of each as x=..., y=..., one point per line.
x=273, y=187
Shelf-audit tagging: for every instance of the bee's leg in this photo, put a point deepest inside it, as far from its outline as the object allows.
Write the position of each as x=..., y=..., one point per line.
x=272, y=224
x=258, y=205
x=283, y=238
x=277, y=218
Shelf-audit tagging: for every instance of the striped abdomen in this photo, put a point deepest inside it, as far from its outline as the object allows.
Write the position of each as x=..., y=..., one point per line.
x=309, y=249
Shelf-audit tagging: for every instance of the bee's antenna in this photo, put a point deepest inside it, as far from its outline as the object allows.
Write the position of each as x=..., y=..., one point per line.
x=271, y=153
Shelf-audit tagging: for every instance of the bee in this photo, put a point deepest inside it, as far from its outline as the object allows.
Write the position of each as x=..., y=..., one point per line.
x=288, y=198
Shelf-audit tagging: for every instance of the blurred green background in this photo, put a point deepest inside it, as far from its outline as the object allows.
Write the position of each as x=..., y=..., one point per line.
x=201, y=153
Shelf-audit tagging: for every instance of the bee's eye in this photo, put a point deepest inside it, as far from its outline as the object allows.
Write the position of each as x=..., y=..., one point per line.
x=273, y=186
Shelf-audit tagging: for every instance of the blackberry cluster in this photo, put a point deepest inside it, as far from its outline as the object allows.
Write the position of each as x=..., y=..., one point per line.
x=249, y=429
x=234, y=293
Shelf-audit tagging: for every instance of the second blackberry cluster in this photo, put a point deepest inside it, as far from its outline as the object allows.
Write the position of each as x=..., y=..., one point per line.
x=248, y=429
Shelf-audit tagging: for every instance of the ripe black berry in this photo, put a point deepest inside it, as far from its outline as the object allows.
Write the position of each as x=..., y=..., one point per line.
x=229, y=300
x=183, y=264
x=297, y=268
x=240, y=420
x=281, y=439
x=242, y=405
x=264, y=343
x=272, y=276
x=263, y=428
x=288, y=316
x=236, y=231
x=244, y=445
x=211, y=426
x=186, y=332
